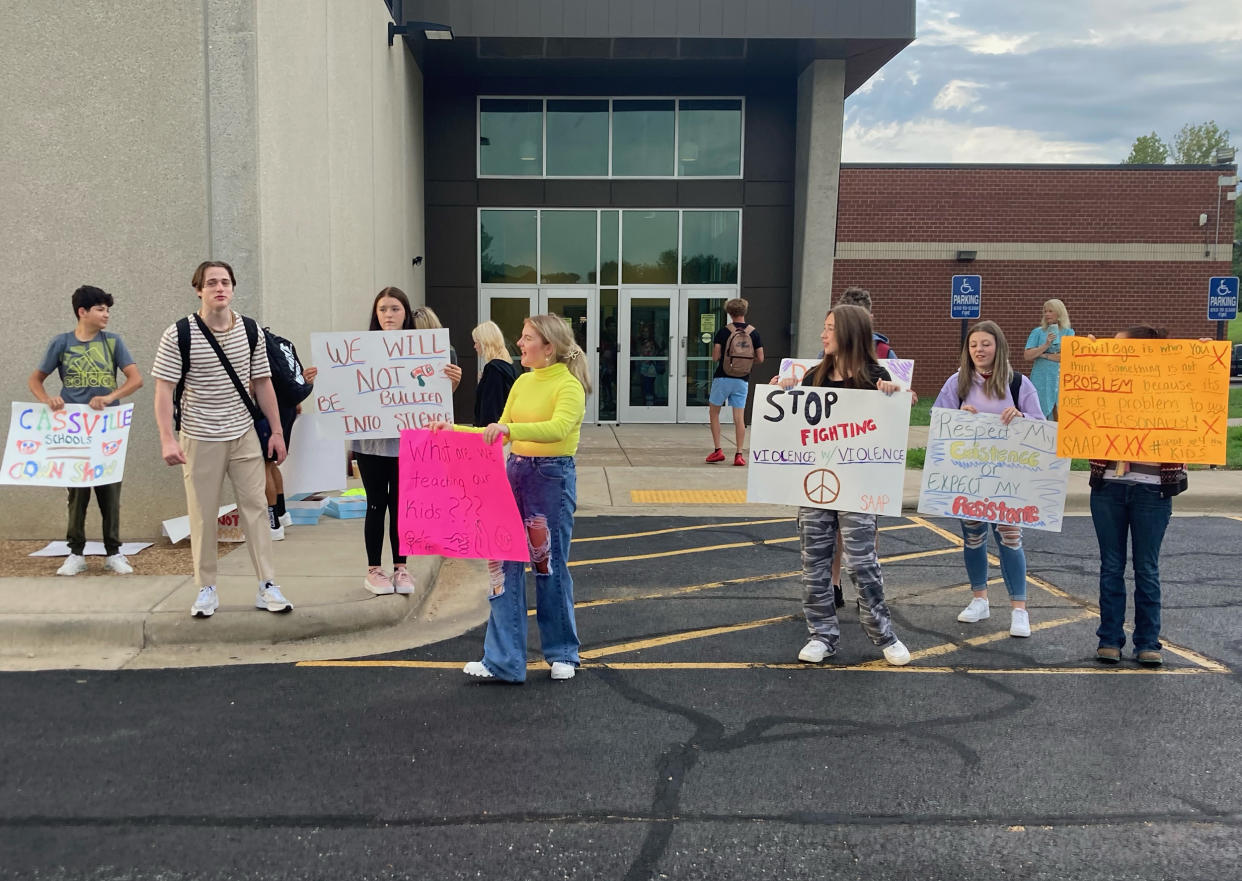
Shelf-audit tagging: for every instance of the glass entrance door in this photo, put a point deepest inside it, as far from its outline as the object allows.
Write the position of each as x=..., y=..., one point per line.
x=647, y=363
x=577, y=308
x=703, y=315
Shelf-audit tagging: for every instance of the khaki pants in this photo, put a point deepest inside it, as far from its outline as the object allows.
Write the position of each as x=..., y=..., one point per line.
x=206, y=465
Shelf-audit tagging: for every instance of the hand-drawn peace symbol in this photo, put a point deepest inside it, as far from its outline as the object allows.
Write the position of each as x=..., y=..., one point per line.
x=821, y=486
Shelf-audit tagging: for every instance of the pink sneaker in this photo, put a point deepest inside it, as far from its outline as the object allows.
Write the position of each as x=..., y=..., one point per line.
x=378, y=582
x=401, y=581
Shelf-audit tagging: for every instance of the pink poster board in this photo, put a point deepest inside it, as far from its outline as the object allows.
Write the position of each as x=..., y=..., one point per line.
x=455, y=498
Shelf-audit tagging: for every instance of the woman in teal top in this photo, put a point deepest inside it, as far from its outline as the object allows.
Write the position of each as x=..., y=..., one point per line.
x=1043, y=349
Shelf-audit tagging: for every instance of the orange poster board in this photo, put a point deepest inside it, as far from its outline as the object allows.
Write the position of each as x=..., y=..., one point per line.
x=1143, y=400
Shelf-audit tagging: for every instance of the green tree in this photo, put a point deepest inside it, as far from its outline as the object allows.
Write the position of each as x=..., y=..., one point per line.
x=1148, y=150
x=1196, y=144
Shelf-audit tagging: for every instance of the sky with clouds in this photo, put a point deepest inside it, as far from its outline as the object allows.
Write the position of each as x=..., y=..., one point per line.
x=1049, y=81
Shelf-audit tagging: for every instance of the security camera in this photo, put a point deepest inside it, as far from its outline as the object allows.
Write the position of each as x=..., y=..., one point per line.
x=419, y=259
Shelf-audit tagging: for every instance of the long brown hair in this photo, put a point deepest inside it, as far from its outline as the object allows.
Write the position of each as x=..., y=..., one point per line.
x=398, y=295
x=996, y=385
x=855, y=356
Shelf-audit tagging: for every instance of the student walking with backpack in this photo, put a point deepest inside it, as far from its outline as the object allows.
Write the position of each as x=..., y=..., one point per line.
x=207, y=425
x=987, y=383
x=736, y=349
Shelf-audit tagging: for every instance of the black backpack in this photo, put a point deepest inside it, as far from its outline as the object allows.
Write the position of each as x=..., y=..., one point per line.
x=287, y=381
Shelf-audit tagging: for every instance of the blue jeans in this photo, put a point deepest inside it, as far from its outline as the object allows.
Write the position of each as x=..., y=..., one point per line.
x=546, y=490
x=1012, y=557
x=1118, y=509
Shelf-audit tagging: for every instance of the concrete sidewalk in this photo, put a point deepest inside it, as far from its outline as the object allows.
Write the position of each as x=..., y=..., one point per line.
x=112, y=622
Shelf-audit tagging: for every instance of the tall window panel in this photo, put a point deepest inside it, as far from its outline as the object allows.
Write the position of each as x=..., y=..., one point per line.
x=511, y=136
x=567, y=246
x=709, y=247
x=577, y=138
x=709, y=139
x=649, y=247
x=507, y=246
x=643, y=132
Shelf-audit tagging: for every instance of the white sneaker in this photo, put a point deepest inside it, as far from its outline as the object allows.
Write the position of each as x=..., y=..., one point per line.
x=897, y=654
x=206, y=604
x=1020, y=623
x=814, y=652
x=72, y=566
x=286, y=519
x=270, y=598
x=278, y=534
x=118, y=564
x=402, y=583
x=476, y=668
x=976, y=611
x=561, y=670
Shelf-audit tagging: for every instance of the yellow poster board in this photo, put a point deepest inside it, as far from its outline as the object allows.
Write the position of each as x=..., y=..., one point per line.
x=1143, y=400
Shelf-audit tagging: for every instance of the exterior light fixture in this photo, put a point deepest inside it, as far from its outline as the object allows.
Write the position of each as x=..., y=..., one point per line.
x=431, y=30
x=966, y=256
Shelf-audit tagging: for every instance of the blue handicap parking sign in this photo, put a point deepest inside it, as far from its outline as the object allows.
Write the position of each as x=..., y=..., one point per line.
x=1222, y=298
x=967, y=296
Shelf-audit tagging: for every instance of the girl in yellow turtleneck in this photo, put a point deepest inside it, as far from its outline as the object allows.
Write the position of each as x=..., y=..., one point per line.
x=542, y=421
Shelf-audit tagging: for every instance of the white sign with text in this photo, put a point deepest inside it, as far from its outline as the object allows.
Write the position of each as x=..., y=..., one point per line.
x=978, y=468
x=72, y=446
x=900, y=369
x=841, y=449
x=380, y=383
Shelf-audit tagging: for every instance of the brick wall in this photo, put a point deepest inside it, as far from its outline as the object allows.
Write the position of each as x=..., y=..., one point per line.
x=1030, y=204
x=970, y=204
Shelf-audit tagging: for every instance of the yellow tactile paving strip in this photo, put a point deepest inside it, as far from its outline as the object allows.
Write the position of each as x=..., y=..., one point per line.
x=688, y=496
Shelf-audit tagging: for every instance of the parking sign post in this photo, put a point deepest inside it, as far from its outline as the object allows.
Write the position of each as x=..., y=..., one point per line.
x=1222, y=301
x=966, y=299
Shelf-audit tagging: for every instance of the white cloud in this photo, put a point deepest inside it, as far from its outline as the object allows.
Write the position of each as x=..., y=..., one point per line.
x=958, y=95
x=938, y=140
x=870, y=84
x=943, y=30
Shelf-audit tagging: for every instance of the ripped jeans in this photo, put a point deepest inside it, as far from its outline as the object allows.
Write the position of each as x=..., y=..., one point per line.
x=1012, y=557
x=546, y=491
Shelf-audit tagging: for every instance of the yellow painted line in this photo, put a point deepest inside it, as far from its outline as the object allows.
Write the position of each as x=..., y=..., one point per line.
x=688, y=496
x=694, y=588
x=1196, y=658
x=827, y=669
x=744, y=544
x=683, y=529
x=943, y=533
x=726, y=525
x=1234, y=516
x=679, y=553
x=685, y=636
x=975, y=641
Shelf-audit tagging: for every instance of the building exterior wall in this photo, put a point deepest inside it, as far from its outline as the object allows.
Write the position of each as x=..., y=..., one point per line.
x=454, y=194
x=1118, y=246
x=283, y=138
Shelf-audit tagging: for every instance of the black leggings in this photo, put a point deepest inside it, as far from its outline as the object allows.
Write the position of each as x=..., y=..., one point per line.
x=379, y=479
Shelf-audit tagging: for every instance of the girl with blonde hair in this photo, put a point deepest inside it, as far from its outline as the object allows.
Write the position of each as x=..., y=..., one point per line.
x=986, y=383
x=542, y=420
x=1043, y=349
x=496, y=373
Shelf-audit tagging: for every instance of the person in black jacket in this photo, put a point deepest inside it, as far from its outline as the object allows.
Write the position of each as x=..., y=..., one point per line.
x=496, y=373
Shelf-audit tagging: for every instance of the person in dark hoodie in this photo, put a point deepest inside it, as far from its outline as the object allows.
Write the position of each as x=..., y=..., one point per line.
x=496, y=375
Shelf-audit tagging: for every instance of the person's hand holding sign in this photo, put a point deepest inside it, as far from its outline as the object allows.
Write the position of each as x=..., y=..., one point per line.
x=493, y=431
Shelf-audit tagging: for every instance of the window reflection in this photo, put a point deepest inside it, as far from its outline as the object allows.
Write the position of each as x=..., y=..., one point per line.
x=507, y=247
x=709, y=244
x=568, y=247
x=511, y=136
x=642, y=138
x=709, y=138
x=578, y=138
x=649, y=247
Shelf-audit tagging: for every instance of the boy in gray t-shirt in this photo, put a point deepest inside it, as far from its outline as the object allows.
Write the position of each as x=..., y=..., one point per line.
x=87, y=359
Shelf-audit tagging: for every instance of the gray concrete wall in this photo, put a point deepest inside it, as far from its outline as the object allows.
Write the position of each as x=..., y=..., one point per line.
x=339, y=134
x=817, y=178
x=142, y=137
x=103, y=179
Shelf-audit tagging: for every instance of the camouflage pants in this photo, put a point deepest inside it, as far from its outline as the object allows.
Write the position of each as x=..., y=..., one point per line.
x=817, y=530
